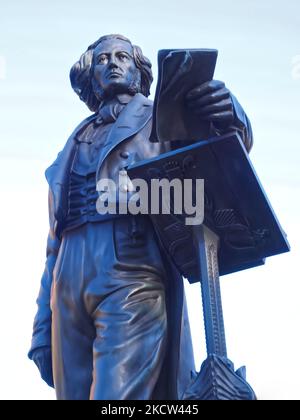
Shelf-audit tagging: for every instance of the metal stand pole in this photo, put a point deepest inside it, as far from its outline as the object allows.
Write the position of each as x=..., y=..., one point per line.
x=207, y=243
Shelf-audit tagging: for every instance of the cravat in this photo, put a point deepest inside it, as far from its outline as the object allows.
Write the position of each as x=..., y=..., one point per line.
x=109, y=113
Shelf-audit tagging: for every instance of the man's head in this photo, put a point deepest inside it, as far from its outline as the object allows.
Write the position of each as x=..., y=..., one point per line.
x=110, y=66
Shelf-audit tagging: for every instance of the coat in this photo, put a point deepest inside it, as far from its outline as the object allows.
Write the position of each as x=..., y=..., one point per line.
x=127, y=143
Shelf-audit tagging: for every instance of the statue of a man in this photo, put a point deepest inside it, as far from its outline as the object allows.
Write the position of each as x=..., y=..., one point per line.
x=111, y=320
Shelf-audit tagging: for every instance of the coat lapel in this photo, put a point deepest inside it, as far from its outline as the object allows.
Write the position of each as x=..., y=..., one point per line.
x=130, y=121
x=58, y=173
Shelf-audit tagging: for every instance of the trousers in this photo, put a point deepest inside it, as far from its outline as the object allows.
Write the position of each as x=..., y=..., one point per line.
x=109, y=322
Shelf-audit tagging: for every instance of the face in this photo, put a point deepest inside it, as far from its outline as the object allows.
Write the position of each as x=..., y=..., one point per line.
x=114, y=68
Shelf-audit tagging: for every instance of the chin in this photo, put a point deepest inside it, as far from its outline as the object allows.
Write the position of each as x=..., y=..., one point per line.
x=117, y=89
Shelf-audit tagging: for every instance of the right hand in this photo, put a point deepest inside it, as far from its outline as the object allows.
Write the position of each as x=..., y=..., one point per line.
x=43, y=359
x=212, y=102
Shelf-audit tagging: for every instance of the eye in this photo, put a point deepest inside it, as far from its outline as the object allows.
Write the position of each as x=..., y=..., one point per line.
x=123, y=57
x=102, y=59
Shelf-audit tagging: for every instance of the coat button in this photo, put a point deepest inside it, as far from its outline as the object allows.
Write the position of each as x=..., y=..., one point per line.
x=124, y=155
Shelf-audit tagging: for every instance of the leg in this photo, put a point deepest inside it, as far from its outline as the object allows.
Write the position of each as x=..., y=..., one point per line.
x=130, y=318
x=130, y=342
x=72, y=330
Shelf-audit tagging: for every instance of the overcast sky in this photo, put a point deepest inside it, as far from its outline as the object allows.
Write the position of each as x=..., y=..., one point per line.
x=259, y=59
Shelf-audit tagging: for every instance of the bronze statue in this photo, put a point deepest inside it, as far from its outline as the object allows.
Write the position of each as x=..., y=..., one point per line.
x=110, y=323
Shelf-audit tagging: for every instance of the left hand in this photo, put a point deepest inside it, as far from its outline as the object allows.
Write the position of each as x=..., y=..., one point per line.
x=43, y=360
x=212, y=102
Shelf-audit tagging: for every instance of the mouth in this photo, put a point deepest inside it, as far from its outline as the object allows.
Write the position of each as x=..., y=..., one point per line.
x=114, y=75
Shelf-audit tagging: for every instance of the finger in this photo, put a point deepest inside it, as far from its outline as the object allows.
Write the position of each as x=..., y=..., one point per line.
x=219, y=116
x=224, y=105
x=206, y=87
x=209, y=98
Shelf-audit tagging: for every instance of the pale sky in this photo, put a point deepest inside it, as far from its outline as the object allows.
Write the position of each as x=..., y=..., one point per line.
x=259, y=59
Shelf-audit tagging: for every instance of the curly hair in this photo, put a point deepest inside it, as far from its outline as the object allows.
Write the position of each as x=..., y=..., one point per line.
x=81, y=72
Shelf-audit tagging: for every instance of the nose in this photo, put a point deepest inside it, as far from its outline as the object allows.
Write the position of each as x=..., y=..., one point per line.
x=112, y=62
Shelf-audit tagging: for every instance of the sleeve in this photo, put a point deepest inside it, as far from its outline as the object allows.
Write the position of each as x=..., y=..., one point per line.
x=241, y=124
x=42, y=323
